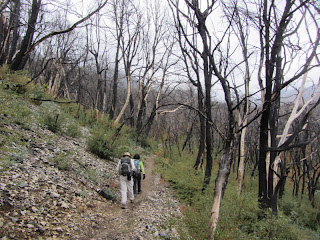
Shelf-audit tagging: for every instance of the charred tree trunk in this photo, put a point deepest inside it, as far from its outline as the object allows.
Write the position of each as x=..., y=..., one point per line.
x=141, y=110
x=20, y=60
x=189, y=135
x=202, y=136
x=114, y=87
x=6, y=54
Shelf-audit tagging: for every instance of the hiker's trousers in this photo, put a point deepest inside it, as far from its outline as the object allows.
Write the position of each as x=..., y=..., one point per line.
x=137, y=183
x=126, y=187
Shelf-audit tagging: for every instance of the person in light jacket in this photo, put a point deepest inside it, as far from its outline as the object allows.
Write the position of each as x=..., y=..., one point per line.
x=138, y=174
x=126, y=181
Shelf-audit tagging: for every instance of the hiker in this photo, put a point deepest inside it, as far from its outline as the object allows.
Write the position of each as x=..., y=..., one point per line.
x=137, y=175
x=125, y=168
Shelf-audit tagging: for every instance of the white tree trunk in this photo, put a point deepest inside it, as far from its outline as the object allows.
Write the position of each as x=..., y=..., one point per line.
x=221, y=181
x=126, y=102
x=298, y=108
x=242, y=157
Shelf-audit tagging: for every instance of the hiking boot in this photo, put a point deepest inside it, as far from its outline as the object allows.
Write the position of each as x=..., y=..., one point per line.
x=123, y=206
x=132, y=201
x=139, y=192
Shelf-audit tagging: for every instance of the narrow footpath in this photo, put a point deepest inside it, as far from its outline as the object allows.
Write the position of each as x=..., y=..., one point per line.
x=153, y=215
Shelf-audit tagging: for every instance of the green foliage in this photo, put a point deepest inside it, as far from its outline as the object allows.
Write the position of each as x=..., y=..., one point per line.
x=13, y=108
x=98, y=144
x=240, y=216
x=175, y=172
x=93, y=175
x=37, y=94
x=196, y=217
x=58, y=120
x=15, y=81
x=6, y=162
x=83, y=194
x=18, y=82
x=73, y=130
x=107, y=141
x=300, y=211
x=53, y=123
x=187, y=183
x=141, y=140
x=62, y=161
x=85, y=117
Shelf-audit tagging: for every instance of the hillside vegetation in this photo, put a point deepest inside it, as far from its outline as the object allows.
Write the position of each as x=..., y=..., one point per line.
x=55, y=155
x=239, y=217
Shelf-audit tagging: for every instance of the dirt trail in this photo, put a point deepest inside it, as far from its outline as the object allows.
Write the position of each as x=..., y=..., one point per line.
x=149, y=217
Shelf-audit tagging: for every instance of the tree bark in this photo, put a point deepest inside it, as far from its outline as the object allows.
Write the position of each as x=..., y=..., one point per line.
x=119, y=30
x=20, y=60
x=126, y=102
x=220, y=184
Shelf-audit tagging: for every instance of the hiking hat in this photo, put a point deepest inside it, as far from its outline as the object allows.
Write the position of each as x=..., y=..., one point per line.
x=127, y=154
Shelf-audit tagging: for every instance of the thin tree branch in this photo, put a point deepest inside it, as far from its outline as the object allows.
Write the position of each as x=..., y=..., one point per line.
x=66, y=30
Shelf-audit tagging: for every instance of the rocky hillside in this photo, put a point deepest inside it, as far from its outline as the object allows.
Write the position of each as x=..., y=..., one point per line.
x=49, y=183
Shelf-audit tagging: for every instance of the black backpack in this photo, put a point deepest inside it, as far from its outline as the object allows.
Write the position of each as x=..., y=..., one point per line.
x=125, y=167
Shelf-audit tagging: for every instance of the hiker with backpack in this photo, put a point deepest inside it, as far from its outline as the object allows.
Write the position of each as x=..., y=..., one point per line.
x=137, y=174
x=125, y=168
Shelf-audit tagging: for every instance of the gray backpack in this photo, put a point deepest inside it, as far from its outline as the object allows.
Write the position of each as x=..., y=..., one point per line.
x=125, y=167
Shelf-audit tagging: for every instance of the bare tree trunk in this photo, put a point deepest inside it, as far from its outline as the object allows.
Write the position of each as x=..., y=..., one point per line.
x=13, y=26
x=116, y=70
x=188, y=137
x=15, y=34
x=126, y=102
x=244, y=121
x=242, y=156
x=114, y=92
x=131, y=117
x=220, y=184
x=20, y=60
x=202, y=136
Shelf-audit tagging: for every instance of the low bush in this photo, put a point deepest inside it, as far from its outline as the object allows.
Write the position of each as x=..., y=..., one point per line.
x=240, y=216
x=52, y=122
x=98, y=144
x=73, y=130
x=62, y=161
x=299, y=210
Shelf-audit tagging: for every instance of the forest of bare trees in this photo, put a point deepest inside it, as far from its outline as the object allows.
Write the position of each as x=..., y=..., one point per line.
x=238, y=78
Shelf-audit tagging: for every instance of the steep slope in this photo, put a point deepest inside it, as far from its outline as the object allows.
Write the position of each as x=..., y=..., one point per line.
x=48, y=189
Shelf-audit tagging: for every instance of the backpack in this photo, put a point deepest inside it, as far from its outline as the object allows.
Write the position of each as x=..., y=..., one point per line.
x=125, y=167
x=137, y=165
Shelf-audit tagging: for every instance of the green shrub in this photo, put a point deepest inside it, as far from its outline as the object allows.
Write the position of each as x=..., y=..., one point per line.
x=52, y=122
x=6, y=162
x=73, y=130
x=239, y=215
x=120, y=149
x=62, y=161
x=300, y=211
x=139, y=139
x=93, y=175
x=97, y=143
x=186, y=186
